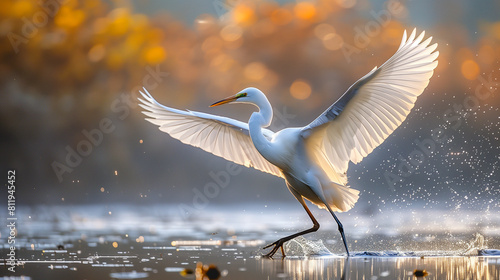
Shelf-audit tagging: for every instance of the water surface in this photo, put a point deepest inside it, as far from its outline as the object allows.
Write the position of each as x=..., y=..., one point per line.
x=153, y=242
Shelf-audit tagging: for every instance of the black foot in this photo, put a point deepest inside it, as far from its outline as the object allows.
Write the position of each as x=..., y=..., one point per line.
x=277, y=245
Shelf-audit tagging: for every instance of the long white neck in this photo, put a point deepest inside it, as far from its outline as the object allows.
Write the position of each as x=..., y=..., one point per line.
x=257, y=121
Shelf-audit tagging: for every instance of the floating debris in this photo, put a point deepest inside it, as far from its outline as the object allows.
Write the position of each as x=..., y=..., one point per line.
x=420, y=273
x=207, y=271
x=186, y=272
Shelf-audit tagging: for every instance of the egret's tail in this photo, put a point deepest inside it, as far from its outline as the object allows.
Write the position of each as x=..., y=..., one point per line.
x=340, y=198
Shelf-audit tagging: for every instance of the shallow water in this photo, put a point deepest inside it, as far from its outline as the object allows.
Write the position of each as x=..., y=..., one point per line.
x=150, y=242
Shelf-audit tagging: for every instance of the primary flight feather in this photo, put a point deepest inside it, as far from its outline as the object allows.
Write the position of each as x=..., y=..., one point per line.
x=313, y=159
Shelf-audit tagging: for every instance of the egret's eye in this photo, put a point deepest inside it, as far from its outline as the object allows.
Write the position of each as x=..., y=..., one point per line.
x=243, y=94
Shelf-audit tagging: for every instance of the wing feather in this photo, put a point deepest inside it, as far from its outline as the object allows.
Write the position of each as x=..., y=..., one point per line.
x=221, y=136
x=372, y=108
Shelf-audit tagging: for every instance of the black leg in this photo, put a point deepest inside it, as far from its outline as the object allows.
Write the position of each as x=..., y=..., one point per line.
x=279, y=243
x=341, y=228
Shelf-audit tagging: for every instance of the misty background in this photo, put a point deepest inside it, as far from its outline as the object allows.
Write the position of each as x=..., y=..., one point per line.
x=72, y=130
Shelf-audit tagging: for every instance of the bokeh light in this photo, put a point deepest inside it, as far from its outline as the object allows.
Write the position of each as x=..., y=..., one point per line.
x=281, y=16
x=470, y=69
x=255, y=71
x=300, y=89
x=231, y=33
x=243, y=14
x=332, y=41
x=305, y=10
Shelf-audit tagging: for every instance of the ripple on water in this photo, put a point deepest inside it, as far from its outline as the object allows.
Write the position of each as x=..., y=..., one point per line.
x=129, y=275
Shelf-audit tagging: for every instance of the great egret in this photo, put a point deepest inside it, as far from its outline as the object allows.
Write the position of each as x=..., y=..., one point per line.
x=312, y=159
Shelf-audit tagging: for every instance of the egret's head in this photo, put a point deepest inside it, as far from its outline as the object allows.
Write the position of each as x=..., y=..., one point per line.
x=249, y=95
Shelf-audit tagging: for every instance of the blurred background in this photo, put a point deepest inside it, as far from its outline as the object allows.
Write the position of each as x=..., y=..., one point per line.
x=71, y=70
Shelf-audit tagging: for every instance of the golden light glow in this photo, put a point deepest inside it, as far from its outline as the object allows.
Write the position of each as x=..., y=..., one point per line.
x=231, y=33
x=96, y=53
x=323, y=29
x=243, y=14
x=305, y=10
x=392, y=33
x=100, y=24
x=140, y=239
x=222, y=62
x=120, y=23
x=486, y=54
x=139, y=22
x=115, y=244
x=496, y=30
x=21, y=8
x=333, y=41
x=255, y=71
x=154, y=55
x=300, y=89
x=114, y=60
x=68, y=18
x=470, y=69
x=281, y=16
x=134, y=41
x=212, y=44
x=115, y=41
x=154, y=35
x=346, y=3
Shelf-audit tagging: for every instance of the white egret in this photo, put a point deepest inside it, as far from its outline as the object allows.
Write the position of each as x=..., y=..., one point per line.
x=312, y=159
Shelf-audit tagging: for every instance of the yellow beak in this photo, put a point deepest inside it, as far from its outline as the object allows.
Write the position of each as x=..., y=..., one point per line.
x=224, y=101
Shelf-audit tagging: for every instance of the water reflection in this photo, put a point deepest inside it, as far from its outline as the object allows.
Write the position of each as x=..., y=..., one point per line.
x=306, y=268
x=368, y=267
x=138, y=242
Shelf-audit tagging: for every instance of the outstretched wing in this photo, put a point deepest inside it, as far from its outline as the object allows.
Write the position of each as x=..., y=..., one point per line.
x=221, y=136
x=371, y=109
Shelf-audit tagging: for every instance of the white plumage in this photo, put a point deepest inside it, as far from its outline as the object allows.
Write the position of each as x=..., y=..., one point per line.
x=221, y=136
x=312, y=159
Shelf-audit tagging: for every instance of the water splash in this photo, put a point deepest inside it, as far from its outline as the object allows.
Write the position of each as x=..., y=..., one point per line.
x=300, y=246
x=488, y=252
x=384, y=254
x=475, y=246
